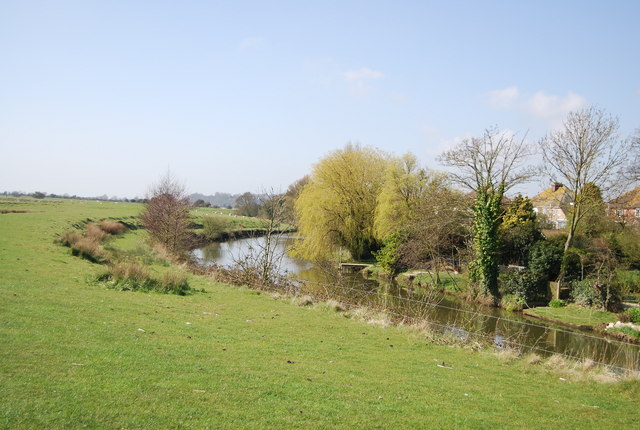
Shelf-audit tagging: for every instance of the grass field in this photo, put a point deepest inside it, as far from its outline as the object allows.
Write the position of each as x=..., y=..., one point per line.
x=75, y=354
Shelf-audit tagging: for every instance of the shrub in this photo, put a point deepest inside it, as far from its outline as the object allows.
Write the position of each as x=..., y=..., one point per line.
x=95, y=233
x=545, y=257
x=70, y=238
x=557, y=303
x=634, y=314
x=389, y=255
x=112, y=227
x=512, y=302
x=174, y=281
x=129, y=276
x=89, y=248
x=525, y=284
x=591, y=293
x=572, y=266
x=213, y=227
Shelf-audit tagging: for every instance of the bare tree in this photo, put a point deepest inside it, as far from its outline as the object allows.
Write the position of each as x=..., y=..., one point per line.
x=633, y=172
x=585, y=151
x=262, y=264
x=488, y=166
x=166, y=214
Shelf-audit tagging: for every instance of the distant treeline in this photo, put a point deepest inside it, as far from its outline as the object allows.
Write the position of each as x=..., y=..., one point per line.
x=42, y=195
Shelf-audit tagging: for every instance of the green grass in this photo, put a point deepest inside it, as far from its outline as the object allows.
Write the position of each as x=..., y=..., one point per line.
x=450, y=282
x=75, y=354
x=576, y=315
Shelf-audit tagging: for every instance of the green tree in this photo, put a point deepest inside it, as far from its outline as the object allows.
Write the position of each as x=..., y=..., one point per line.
x=404, y=185
x=519, y=230
x=337, y=207
x=488, y=166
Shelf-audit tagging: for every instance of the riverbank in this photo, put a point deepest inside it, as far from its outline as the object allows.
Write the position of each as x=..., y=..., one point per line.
x=78, y=354
x=574, y=316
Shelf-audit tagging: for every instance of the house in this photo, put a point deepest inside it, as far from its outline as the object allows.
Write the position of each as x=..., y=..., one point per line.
x=554, y=204
x=626, y=208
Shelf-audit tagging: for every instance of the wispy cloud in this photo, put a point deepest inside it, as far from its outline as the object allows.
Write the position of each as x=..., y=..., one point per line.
x=503, y=99
x=362, y=74
x=359, y=79
x=549, y=107
x=251, y=43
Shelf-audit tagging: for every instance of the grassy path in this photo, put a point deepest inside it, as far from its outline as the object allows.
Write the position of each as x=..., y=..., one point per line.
x=77, y=355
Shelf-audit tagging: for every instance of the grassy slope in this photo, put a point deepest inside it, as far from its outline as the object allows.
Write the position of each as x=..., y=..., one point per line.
x=237, y=349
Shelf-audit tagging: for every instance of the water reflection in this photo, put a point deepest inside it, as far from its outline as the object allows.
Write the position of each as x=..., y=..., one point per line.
x=446, y=314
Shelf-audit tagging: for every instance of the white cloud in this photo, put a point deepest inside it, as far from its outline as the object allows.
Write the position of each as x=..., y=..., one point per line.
x=503, y=99
x=362, y=74
x=549, y=107
x=358, y=80
x=251, y=43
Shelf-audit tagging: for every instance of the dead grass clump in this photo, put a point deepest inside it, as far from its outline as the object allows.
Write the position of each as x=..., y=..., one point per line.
x=369, y=316
x=507, y=354
x=90, y=249
x=129, y=271
x=533, y=359
x=112, y=227
x=556, y=361
x=302, y=300
x=95, y=233
x=331, y=306
x=70, y=238
x=174, y=281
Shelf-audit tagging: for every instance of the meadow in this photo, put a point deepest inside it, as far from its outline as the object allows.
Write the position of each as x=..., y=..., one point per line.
x=77, y=354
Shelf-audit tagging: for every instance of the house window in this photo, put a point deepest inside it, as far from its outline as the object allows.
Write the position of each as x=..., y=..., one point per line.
x=619, y=212
x=637, y=212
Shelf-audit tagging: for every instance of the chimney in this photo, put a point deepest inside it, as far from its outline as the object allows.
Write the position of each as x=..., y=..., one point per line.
x=557, y=186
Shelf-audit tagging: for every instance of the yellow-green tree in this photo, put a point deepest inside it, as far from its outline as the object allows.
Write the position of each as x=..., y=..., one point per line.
x=336, y=208
x=404, y=184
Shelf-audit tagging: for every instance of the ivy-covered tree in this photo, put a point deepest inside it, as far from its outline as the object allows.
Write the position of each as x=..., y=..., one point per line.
x=488, y=166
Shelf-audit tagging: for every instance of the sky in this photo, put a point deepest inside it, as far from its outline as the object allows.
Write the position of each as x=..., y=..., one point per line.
x=104, y=97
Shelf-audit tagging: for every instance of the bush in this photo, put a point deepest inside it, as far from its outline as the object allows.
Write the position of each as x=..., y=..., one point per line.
x=112, y=227
x=213, y=227
x=557, y=303
x=525, y=284
x=634, y=314
x=512, y=302
x=174, y=281
x=591, y=293
x=572, y=266
x=545, y=257
x=89, y=248
x=389, y=256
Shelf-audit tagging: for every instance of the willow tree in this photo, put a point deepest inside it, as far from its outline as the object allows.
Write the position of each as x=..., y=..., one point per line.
x=336, y=208
x=404, y=184
x=488, y=166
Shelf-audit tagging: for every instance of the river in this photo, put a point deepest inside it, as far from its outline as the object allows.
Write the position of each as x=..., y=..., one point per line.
x=444, y=313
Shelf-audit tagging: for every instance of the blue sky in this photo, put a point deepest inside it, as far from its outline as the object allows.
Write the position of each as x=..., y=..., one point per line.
x=102, y=97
